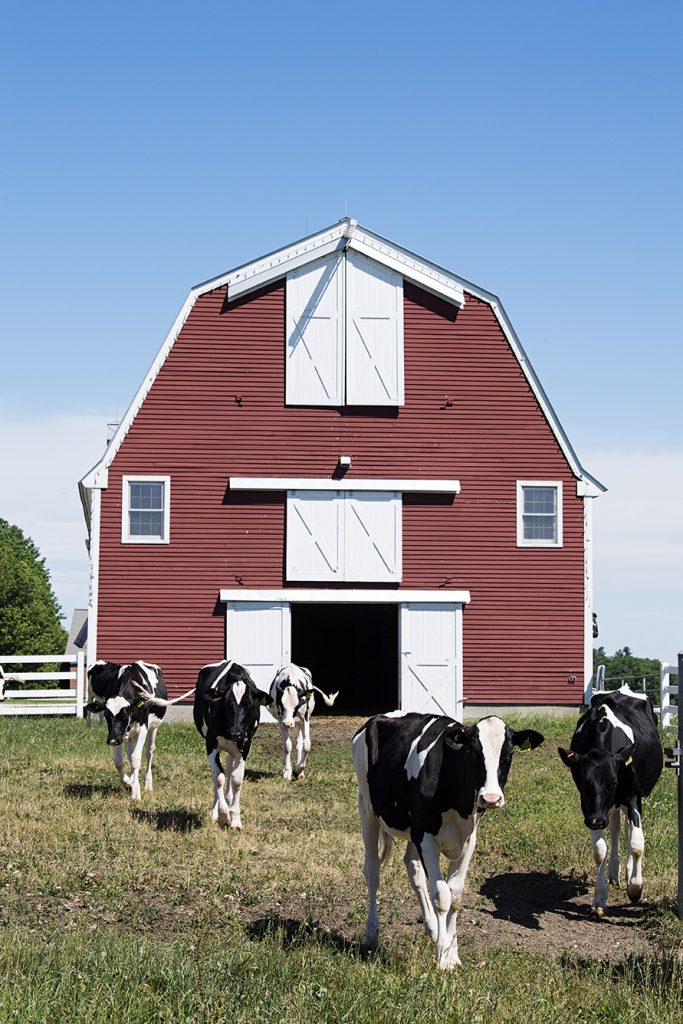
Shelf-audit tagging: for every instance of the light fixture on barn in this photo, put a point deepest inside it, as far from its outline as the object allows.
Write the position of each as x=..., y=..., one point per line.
x=343, y=465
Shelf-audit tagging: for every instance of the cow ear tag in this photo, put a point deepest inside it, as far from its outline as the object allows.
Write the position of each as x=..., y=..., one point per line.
x=140, y=704
x=629, y=761
x=526, y=745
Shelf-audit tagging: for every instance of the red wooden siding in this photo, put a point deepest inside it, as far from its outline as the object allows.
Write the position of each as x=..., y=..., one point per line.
x=217, y=410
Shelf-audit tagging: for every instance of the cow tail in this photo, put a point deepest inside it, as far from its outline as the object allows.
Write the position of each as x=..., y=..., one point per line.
x=385, y=846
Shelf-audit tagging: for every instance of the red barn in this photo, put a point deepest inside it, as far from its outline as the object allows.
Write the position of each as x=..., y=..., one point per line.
x=342, y=456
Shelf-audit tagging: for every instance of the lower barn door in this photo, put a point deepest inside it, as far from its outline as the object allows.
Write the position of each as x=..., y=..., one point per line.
x=258, y=636
x=431, y=646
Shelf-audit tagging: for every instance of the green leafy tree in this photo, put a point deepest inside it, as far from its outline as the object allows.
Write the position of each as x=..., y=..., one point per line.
x=29, y=612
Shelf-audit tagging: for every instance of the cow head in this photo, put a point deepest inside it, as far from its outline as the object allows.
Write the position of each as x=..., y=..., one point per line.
x=596, y=774
x=118, y=713
x=490, y=743
x=292, y=693
x=236, y=708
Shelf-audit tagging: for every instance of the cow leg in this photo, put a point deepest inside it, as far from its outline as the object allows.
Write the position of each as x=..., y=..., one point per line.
x=418, y=880
x=614, y=830
x=149, y=751
x=369, y=827
x=441, y=898
x=636, y=847
x=134, y=747
x=235, y=780
x=287, y=744
x=303, y=748
x=457, y=872
x=118, y=763
x=219, y=811
x=601, y=887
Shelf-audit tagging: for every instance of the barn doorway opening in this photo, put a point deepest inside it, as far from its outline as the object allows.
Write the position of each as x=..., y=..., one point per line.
x=352, y=648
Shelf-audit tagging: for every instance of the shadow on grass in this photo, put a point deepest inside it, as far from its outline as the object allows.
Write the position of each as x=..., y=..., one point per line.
x=521, y=897
x=175, y=819
x=87, y=790
x=255, y=775
x=297, y=933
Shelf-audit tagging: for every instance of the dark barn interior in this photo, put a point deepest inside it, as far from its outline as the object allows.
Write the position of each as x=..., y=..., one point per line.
x=352, y=648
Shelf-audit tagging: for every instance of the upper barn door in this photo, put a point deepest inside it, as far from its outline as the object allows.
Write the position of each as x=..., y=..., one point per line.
x=374, y=333
x=258, y=636
x=315, y=340
x=315, y=536
x=430, y=647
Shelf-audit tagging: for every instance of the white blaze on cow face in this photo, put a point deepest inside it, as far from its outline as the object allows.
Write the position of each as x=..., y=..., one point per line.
x=289, y=700
x=239, y=689
x=116, y=705
x=491, y=736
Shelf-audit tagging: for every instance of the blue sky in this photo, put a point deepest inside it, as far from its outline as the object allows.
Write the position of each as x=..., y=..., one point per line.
x=533, y=148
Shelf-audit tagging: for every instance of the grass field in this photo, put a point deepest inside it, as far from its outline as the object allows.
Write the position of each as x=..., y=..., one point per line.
x=110, y=911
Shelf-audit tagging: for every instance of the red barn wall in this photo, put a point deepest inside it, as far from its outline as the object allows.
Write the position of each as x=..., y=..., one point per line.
x=216, y=409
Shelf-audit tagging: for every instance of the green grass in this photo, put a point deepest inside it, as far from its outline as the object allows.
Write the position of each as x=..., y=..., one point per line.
x=110, y=911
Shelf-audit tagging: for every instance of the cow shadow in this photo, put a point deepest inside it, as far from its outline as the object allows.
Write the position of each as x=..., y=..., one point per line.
x=87, y=790
x=522, y=897
x=175, y=819
x=296, y=933
x=255, y=775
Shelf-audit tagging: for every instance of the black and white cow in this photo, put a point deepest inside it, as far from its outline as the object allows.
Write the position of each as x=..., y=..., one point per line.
x=429, y=779
x=3, y=683
x=292, y=694
x=615, y=758
x=126, y=695
x=227, y=706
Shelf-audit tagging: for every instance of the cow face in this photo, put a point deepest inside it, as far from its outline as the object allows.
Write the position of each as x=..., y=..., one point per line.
x=236, y=712
x=117, y=713
x=491, y=743
x=289, y=700
x=595, y=775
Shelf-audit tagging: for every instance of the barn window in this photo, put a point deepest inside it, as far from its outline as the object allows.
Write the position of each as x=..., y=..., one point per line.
x=539, y=513
x=344, y=536
x=344, y=333
x=146, y=509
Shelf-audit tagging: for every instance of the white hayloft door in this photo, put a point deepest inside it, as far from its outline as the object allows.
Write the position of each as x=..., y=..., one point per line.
x=315, y=343
x=429, y=652
x=344, y=536
x=374, y=333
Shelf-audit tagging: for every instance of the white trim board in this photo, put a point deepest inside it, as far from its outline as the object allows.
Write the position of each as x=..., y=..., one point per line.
x=287, y=483
x=329, y=596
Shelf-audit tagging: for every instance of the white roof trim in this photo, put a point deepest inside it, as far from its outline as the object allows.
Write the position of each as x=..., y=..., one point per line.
x=346, y=233
x=329, y=596
x=287, y=483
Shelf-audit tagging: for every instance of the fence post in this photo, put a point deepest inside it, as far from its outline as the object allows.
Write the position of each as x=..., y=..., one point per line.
x=80, y=683
x=664, y=695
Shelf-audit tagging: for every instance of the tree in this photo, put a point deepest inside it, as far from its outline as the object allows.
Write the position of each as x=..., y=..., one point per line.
x=29, y=611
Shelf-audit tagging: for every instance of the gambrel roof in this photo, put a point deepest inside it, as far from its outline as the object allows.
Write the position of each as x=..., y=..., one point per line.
x=346, y=235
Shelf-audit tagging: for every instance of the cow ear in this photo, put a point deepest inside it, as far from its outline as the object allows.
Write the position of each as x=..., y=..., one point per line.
x=527, y=739
x=263, y=697
x=94, y=708
x=457, y=734
x=625, y=756
x=570, y=757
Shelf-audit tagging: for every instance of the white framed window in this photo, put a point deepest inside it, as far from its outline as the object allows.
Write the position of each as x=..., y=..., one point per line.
x=539, y=513
x=146, y=510
x=344, y=333
x=344, y=536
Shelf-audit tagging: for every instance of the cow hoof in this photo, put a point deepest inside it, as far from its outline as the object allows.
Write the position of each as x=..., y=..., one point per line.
x=300, y=775
x=449, y=963
x=598, y=911
x=287, y=776
x=634, y=892
x=236, y=823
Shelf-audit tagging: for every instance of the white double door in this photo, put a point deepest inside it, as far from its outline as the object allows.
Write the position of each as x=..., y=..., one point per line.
x=258, y=636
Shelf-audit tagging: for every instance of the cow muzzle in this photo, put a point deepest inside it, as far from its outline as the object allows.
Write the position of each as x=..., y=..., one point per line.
x=595, y=822
x=486, y=801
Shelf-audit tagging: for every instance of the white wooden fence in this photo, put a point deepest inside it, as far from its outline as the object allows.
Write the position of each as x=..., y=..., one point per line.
x=667, y=710
x=45, y=702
